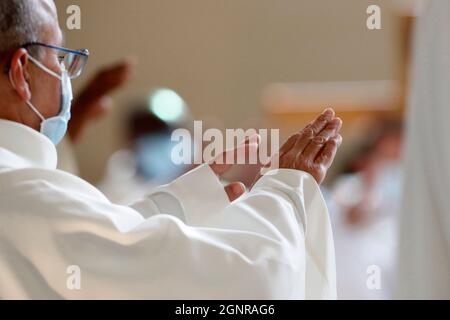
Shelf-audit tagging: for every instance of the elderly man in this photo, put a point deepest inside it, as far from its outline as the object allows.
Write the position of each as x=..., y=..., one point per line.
x=62, y=238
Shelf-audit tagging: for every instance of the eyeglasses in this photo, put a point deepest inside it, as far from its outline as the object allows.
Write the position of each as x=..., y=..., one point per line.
x=73, y=61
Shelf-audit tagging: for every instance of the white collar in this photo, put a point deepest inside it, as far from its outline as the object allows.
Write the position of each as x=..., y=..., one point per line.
x=23, y=147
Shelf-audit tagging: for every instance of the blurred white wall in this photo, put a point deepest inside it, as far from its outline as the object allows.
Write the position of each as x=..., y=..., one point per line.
x=220, y=54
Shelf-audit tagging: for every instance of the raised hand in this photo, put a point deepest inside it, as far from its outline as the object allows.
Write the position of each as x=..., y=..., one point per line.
x=314, y=148
x=94, y=100
x=235, y=189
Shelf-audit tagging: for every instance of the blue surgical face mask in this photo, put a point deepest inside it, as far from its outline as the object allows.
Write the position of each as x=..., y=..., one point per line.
x=55, y=128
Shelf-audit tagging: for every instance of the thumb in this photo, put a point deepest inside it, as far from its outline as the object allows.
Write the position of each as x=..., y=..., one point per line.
x=234, y=190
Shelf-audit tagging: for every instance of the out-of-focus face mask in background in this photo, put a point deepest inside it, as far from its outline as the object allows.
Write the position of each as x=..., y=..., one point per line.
x=153, y=158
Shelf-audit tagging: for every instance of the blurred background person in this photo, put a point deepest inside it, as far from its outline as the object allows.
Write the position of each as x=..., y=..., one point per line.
x=146, y=161
x=424, y=257
x=366, y=201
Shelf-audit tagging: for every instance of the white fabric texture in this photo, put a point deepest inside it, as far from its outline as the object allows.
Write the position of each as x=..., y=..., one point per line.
x=183, y=241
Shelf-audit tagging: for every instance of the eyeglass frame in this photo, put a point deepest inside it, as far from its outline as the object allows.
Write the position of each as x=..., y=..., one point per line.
x=80, y=52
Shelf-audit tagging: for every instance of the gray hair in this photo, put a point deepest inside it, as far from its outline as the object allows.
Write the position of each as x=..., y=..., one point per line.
x=19, y=24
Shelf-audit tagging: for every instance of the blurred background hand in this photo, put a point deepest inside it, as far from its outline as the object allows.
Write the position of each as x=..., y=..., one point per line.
x=94, y=100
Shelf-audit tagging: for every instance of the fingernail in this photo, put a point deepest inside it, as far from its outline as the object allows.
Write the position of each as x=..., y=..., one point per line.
x=337, y=139
x=328, y=112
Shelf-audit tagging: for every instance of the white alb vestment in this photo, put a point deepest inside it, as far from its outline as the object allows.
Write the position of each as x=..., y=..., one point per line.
x=183, y=241
x=424, y=261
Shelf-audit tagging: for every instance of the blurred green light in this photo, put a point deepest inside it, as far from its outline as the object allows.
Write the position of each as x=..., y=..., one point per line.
x=167, y=105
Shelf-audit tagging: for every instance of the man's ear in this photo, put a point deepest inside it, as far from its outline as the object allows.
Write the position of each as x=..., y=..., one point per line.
x=19, y=75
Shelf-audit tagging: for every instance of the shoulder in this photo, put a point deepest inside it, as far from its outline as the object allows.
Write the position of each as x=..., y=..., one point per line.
x=36, y=180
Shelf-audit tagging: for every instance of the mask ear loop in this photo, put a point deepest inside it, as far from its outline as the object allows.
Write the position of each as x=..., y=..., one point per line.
x=28, y=102
x=40, y=65
x=35, y=110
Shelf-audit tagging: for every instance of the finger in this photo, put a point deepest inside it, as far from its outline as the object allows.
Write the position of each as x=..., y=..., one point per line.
x=255, y=138
x=321, y=121
x=111, y=78
x=308, y=133
x=318, y=142
x=235, y=190
x=328, y=153
x=289, y=144
x=239, y=154
x=122, y=67
x=100, y=108
x=247, y=149
x=305, y=138
x=130, y=61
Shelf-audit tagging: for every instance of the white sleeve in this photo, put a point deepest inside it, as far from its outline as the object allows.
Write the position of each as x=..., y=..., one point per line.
x=288, y=205
x=181, y=198
x=274, y=243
